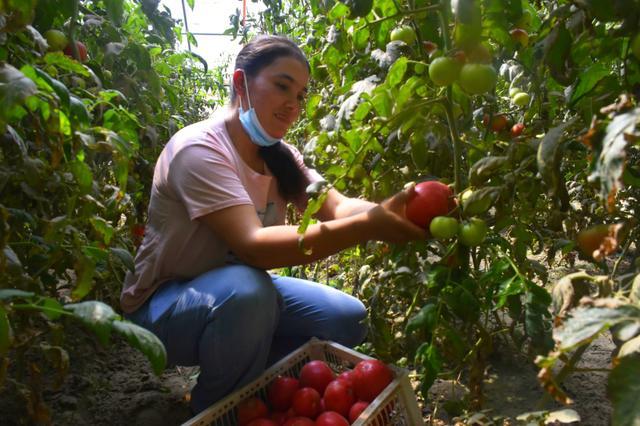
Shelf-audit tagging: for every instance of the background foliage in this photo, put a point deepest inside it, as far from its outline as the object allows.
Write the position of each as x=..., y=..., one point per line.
x=80, y=138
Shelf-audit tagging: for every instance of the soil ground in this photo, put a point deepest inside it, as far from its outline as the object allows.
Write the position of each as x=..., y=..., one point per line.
x=114, y=385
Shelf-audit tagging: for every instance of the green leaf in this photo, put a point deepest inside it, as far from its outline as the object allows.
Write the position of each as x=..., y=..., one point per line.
x=79, y=112
x=396, y=73
x=96, y=315
x=359, y=8
x=589, y=78
x=10, y=260
x=510, y=287
x=428, y=356
x=634, y=294
x=115, y=10
x=587, y=323
x=425, y=319
x=557, y=54
x=10, y=293
x=623, y=389
x=82, y=172
x=51, y=308
x=338, y=11
x=549, y=158
x=66, y=63
x=85, y=268
x=103, y=227
x=485, y=168
x=145, y=341
x=611, y=161
x=630, y=348
x=382, y=103
x=15, y=87
x=6, y=334
x=125, y=257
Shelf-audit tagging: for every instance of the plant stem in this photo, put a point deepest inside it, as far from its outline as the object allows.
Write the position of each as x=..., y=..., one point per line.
x=564, y=372
x=72, y=30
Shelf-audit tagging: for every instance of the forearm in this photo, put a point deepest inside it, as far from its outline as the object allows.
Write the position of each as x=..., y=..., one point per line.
x=278, y=246
x=352, y=206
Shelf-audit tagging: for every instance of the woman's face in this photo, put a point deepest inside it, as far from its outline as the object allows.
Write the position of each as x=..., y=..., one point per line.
x=277, y=93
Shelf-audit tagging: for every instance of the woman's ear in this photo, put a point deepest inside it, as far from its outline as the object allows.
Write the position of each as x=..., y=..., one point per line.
x=238, y=83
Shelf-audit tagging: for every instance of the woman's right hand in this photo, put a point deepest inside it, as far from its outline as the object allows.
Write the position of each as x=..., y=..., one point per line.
x=388, y=220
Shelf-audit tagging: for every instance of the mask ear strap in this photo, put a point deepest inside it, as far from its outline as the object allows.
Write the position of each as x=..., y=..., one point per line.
x=246, y=88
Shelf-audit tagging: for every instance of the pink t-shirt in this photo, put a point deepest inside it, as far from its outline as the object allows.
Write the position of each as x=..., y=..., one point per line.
x=198, y=172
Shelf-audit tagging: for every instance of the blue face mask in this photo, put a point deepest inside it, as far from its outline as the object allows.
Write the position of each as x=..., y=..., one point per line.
x=251, y=124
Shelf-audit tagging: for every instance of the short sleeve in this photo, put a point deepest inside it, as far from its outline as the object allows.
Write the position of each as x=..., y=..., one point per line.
x=206, y=181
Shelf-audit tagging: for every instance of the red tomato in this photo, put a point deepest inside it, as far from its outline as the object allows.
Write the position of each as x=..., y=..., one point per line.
x=262, y=422
x=306, y=402
x=251, y=409
x=347, y=376
x=339, y=397
x=357, y=409
x=331, y=418
x=280, y=392
x=300, y=421
x=517, y=129
x=431, y=199
x=280, y=417
x=82, y=51
x=371, y=377
x=316, y=374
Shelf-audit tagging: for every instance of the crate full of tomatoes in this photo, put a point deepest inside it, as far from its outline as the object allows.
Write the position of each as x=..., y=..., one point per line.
x=321, y=383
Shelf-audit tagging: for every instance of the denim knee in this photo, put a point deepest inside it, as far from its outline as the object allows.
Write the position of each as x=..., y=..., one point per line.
x=253, y=307
x=348, y=327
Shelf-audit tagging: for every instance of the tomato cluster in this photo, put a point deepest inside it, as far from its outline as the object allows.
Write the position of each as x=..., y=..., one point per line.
x=317, y=397
x=58, y=41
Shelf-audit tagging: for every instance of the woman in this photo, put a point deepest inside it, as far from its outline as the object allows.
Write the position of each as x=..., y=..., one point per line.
x=216, y=224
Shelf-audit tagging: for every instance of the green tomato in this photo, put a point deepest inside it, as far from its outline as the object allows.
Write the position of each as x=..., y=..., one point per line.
x=521, y=99
x=57, y=40
x=444, y=71
x=403, y=33
x=419, y=68
x=514, y=91
x=443, y=227
x=635, y=46
x=472, y=233
x=477, y=79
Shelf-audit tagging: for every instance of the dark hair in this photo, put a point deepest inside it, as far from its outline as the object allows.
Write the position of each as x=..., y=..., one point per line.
x=254, y=56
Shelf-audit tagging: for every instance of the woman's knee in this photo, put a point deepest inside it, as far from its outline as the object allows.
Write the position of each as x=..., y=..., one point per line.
x=348, y=326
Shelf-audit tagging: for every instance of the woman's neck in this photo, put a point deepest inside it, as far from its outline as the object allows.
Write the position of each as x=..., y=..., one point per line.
x=249, y=152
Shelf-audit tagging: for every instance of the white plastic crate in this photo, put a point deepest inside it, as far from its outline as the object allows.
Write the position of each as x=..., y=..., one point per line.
x=395, y=406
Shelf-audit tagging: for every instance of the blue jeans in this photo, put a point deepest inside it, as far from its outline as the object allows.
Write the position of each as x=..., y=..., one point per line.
x=235, y=321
